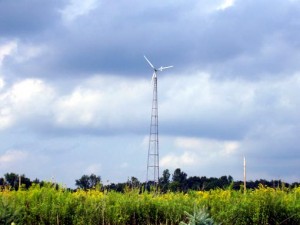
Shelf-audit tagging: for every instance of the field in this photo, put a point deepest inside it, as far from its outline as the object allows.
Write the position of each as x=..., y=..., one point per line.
x=52, y=205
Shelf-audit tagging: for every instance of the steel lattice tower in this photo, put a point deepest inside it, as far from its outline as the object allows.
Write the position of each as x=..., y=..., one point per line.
x=153, y=149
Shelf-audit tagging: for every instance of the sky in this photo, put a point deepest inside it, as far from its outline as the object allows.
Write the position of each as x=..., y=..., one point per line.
x=76, y=94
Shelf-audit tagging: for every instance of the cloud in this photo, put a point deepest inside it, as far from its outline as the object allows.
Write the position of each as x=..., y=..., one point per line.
x=25, y=101
x=2, y=83
x=206, y=126
x=226, y=4
x=206, y=147
x=227, y=110
x=76, y=69
x=196, y=151
x=201, y=156
x=191, y=36
x=110, y=104
x=27, y=18
x=6, y=49
x=5, y=118
x=11, y=157
x=78, y=8
x=182, y=161
x=28, y=53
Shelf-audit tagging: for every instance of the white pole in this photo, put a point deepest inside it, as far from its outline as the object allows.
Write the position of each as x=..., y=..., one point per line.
x=244, y=175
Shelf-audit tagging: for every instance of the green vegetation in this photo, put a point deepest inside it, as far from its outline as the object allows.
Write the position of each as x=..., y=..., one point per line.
x=178, y=199
x=51, y=204
x=200, y=217
x=180, y=182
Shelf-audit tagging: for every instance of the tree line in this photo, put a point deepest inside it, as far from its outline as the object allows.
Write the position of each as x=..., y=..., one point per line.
x=179, y=181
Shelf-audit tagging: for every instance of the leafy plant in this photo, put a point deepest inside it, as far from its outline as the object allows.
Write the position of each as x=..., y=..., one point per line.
x=199, y=217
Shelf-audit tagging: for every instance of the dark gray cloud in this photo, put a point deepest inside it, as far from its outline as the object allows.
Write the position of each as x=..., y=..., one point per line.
x=249, y=39
x=24, y=19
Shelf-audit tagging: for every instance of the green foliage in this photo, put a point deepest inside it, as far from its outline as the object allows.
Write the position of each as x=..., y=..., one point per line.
x=88, y=182
x=49, y=204
x=164, y=181
x=12, y=179
x=199, y=217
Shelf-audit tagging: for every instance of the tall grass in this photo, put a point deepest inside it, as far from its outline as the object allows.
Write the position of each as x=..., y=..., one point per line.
x=51, y=205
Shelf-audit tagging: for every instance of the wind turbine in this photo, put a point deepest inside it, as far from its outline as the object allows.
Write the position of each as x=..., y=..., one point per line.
x=156, y=70
x=153, y=148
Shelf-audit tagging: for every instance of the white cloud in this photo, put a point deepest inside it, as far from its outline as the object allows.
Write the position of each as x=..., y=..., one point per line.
x=11, y=157
x=207, y=147
x=226, y=4
x=2, y=83
x=102, y=102
x=78, y=8
x=21, y=52
x=28, y=90
x=99, y=102
x=7, y=49
x=186, y=159
x=197, y=102
x=230, y=147
x=188, y=143
x=116, y=101
x=202, y=96
x=26, y=52
x=30, y=97
x=202, y=156
x=6, y=118
x=205, y=103
x=24, y=100
x=79, y=108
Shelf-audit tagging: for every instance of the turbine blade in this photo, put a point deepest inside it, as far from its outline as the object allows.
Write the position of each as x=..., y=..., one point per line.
x=165, y=67
x=149, y=62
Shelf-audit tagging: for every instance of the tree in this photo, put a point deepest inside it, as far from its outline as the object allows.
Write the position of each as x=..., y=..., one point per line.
x=164, y=181
x=194, y=183
x=166, y=176
x=134, y=182
x=13, y=180
x=179, y=179
x=88, y=181
x=25, y=181
x=230, y=179
x=179, y=176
